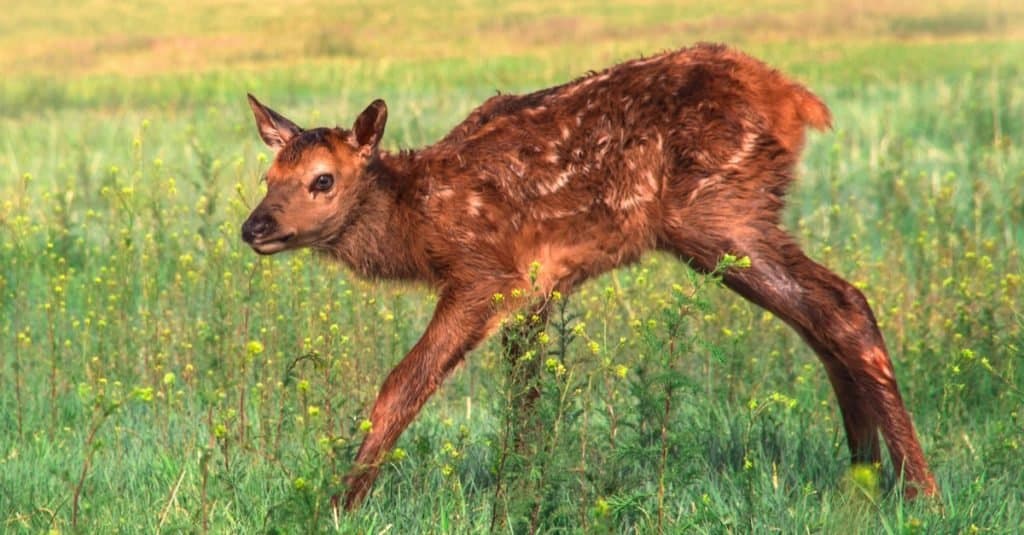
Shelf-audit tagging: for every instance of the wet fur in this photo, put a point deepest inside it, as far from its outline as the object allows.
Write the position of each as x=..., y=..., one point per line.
x=689, y=152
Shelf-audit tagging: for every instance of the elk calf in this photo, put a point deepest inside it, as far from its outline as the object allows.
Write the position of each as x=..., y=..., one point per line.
x=688, y=152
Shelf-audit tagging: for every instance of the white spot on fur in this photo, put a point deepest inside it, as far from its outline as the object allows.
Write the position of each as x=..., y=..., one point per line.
x=517, y=167
x=643, y=192
x=560, y=181
x=879, y=365
x=646, y=61
x=703, y=184
x=781, y=282
x=444, y=193
x=746, y=149
x=633, y=201
x=584, y=83
x=652, y=181
x=554, y=213
x=473, y=205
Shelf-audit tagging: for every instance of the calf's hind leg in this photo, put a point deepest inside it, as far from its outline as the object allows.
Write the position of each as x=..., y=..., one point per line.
x=835, y=320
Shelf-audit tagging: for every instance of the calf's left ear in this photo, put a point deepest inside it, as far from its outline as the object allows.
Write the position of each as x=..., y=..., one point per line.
x=369, y=126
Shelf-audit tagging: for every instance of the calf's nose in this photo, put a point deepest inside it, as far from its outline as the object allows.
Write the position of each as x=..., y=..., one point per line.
x=257, y=226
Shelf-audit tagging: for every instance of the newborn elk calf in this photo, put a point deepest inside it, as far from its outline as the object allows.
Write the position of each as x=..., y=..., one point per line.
x=688, y=152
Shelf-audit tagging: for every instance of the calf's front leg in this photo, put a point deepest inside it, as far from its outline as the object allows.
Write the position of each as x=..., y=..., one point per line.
x=461, y=320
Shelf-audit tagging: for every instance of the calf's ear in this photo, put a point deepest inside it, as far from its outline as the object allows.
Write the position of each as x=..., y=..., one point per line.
x=274, y=128
x=369, y=126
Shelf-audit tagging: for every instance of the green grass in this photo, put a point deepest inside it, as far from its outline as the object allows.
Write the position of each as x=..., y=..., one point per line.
x=157, y=369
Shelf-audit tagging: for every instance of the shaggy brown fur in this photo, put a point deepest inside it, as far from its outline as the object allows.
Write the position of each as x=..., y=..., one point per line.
x=689, y=152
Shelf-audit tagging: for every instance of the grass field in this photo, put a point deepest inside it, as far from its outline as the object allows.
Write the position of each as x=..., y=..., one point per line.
x=157, y=376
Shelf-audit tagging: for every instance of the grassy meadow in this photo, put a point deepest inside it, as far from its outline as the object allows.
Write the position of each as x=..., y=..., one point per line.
x=156, y=375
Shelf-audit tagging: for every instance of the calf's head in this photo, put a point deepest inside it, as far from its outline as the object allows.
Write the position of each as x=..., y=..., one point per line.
x=315, y=181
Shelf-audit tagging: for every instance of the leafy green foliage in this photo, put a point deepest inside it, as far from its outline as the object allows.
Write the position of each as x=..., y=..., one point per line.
x=156, y=375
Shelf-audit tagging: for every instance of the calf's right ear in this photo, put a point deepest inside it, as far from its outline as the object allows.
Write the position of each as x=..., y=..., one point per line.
x=274, y=128
x=369, y=126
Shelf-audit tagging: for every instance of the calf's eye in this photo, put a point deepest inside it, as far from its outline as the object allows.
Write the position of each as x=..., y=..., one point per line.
x=323, y=182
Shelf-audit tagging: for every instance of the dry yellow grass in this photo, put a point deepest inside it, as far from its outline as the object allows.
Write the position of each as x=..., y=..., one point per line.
x=103, y=37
